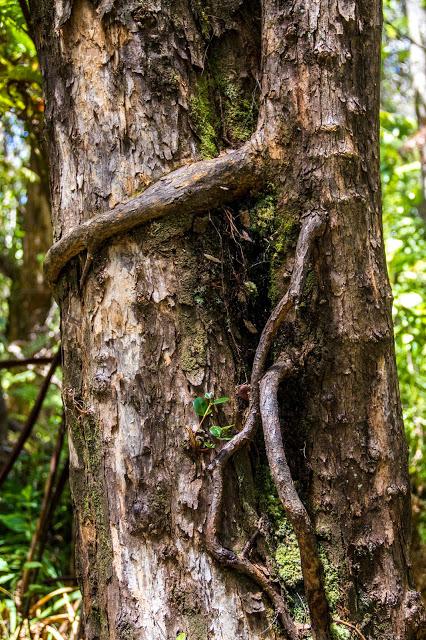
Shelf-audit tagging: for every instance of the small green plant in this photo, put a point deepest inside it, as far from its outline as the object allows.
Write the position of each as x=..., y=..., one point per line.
x=181, y=636
x=206, y=436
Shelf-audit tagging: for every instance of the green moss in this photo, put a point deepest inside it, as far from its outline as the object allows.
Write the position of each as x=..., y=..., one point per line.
x=263, y=214
x=285, y=238
x=197, y=627
x=239, y=117
x=287, y=557
x=193, y=348
x=202, y=114
x=331, y=579
x=199, y=6
x=193, y=619
x=339, y=632
x=251, y=288
x=90, y=492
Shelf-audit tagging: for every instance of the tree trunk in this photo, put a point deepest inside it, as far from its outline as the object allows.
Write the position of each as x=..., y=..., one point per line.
x=155, y=315
x=30, y=298
x=416, y=20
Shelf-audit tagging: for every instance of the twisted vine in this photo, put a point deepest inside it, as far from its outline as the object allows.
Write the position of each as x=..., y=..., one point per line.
x=263, y=401
x=198, y=187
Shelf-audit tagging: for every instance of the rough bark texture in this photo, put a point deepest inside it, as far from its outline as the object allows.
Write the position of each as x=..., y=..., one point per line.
x=148, y=332
x=351, y=428
x=135, y=90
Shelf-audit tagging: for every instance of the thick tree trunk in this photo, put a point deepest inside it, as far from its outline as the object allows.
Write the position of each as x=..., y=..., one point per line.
x=134, y=90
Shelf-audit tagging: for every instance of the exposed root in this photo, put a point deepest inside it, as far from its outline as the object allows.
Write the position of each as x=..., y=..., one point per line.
x=229, y=559
x=196, y=187
x=293, y=506
x=312, y=227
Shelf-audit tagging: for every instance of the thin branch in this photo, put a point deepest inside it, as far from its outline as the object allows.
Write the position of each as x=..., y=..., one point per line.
x=229, y=559
x=312, y=226
x=56, y=496
x=32, y=419
x=25, y=362
x=351, y=626
x=40, y=529
x=293, y=506
x=405, y=36
x=25, y=11
x=193, y=188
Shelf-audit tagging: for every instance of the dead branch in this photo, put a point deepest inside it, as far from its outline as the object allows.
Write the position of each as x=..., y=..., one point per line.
x=25, y=362
x=32, y=419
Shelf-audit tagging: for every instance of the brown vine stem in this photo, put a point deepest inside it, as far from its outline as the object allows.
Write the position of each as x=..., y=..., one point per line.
x=350, y=626
x=197, y=187
x=312, y=226
x=292, y=504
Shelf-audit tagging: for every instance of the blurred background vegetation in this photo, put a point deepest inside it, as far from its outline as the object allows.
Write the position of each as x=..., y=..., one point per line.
x=38, y=596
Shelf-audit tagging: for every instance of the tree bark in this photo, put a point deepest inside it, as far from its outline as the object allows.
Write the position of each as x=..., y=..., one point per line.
x=159, y=314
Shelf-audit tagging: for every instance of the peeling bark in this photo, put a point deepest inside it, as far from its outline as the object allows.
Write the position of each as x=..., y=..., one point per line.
x=149, y=320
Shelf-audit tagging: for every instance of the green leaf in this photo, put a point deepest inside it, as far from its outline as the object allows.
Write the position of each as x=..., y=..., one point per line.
x=181, y=636
x=201, y=406
x=14, y=522
x=6, y=577
x=216, y=431
x=221, y=400
x=209, y=395
x=32, y=565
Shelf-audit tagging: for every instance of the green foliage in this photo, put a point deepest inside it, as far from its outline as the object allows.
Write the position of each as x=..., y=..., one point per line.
x=203, y=116
x=20, y=79
x=404, y=221
x=21, y=112
x=201, y=436
x=201, y=407
x=55, y=615
x=339, y=632
x=405, y=240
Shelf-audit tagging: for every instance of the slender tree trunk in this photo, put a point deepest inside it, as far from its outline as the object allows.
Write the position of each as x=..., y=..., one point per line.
x=416, y=20
x=162, y=313
x=30, y=299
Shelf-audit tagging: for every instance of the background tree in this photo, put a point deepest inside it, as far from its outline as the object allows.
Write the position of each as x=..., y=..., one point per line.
x=21, y=109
